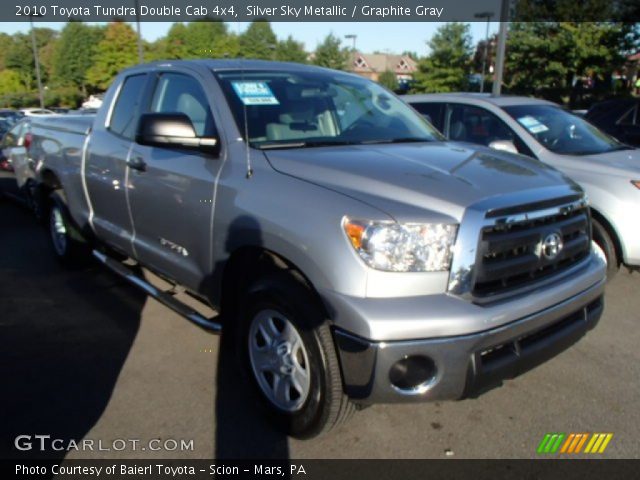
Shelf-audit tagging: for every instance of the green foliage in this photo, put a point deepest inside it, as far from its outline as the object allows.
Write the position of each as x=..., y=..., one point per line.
x=10, y=83
x=389, y=80
x=200, y=39
x=447, y=67
x=290, y=50
x=331, y=54
x=258, y=41
x=68, y=96
x=5, y=43
x=74, y=54
x=117, y=50
x=19, y=56
x=549, y=56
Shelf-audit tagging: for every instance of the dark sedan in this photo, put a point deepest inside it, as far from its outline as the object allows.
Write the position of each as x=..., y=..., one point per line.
x=620, y=118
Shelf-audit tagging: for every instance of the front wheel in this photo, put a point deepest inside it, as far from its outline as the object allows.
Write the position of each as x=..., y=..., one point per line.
x=605, y=242
x=288, y=351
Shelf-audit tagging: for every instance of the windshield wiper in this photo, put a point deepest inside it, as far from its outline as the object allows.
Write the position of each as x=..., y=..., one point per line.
x=305, y=144
x=270, y=146
x=333, y=143
x=397, y=140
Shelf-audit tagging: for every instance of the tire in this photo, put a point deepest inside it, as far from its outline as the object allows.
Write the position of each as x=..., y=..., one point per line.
x=34, y=196
x=66, y=242
x=605, y=242
x=298, y=340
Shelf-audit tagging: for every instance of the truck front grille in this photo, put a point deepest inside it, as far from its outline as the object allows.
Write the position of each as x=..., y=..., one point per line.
x=523, y=246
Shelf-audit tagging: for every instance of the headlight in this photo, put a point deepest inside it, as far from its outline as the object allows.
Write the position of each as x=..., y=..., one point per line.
x=396, y=247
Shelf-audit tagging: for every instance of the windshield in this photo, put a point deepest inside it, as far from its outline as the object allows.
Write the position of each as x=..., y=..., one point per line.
x=307, y=109
x=562, y=132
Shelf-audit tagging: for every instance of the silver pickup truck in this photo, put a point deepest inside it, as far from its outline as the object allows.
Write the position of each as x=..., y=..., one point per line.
x=354, y=255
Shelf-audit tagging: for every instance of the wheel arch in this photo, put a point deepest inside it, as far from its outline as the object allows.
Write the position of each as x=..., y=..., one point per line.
x=248, y=263
x=611, y=231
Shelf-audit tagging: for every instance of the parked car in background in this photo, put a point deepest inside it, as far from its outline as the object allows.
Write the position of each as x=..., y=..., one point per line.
x=17, y=169
x=61, y=110
x=5, y=125
x=608, y=170
x=94, y=101
x=34, y=112
x=12, y=116
x=620, y=118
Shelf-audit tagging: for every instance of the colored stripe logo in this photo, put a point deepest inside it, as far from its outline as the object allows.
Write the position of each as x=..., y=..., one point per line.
x=574, y=443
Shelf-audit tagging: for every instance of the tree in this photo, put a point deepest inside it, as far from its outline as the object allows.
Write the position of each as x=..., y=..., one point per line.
x=174, y=45
x=258, y=41
x=447, y=66
x=19, y=56
x=290, y=50
x=478, y=55
x=550, y=56
x=389, y=80
x=331, y=54
x=74, y=54
x=10, y=82
x=117, y=50
x=5, y=44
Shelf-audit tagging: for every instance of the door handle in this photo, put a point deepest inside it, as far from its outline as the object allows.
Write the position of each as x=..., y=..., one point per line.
x=137, y=163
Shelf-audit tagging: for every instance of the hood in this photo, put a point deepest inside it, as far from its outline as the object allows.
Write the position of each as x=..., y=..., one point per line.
x=618, y=162
x=404, y=180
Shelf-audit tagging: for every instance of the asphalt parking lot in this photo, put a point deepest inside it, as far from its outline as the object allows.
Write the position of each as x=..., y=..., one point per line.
x=86, y=356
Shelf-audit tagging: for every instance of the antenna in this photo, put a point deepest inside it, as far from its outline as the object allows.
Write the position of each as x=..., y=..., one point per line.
x=245, y=120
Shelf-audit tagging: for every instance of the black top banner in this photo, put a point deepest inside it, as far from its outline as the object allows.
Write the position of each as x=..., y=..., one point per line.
x=321, y=10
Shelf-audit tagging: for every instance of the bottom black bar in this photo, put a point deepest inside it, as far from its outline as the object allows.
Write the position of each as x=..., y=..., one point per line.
x=321, y=469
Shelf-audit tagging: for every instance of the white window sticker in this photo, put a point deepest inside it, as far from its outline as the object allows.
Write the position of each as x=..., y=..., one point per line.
x=255, y=93
x=532, y=124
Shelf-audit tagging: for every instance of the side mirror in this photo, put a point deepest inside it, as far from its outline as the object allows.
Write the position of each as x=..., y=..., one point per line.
x=172, y=130
x=504, y=146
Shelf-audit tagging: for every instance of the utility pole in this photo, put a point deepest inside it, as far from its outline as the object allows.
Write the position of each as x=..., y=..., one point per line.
x=37, y=62
x=140, y=50
x=502, y=42
x=488, y=16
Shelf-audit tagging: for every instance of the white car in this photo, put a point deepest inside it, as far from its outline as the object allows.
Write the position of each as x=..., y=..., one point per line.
x=93, y=102
x=36, y=112
x=606, y=169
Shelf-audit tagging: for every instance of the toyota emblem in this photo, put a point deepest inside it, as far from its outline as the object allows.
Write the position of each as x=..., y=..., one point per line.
x=551, y=246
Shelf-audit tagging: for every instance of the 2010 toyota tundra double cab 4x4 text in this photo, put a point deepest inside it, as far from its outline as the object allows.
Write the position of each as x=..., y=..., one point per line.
x=355, y=256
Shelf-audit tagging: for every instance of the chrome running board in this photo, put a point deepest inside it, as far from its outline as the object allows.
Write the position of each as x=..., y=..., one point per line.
x=166, y=298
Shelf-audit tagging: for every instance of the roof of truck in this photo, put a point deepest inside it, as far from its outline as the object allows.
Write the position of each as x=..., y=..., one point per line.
x=234, y=64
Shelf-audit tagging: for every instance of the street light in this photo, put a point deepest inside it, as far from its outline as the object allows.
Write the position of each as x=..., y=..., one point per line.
x=353, y=37
x=139, y=40
x=502, y=42
x=37, y=62
x=486, y=15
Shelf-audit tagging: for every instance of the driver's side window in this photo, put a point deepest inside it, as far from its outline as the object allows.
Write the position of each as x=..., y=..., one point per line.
x=179, y=93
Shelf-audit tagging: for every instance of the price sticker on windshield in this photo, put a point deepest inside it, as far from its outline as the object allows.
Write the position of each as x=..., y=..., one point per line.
x=255, y=93
x=532, y=124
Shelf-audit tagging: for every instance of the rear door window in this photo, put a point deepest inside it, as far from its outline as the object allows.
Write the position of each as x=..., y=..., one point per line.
x=432, y=112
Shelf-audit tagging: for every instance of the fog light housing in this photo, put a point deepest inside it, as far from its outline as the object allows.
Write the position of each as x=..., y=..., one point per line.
x=412, y=374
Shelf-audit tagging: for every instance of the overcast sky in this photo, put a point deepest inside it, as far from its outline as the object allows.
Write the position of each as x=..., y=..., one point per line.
x=392, y=37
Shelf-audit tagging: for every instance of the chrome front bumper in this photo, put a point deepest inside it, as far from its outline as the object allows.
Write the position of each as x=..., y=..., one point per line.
x=472, y=363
